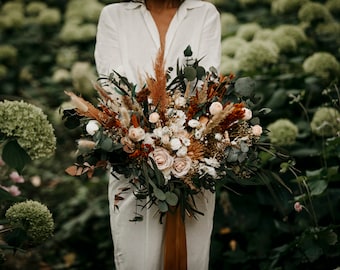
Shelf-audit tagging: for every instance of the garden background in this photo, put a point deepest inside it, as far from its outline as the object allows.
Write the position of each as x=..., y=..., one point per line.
x=289, y=47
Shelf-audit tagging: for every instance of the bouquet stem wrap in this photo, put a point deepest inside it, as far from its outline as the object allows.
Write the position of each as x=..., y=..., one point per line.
x=175, y=246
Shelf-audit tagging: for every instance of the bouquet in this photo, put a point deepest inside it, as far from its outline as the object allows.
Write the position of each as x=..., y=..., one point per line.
x=173, y=138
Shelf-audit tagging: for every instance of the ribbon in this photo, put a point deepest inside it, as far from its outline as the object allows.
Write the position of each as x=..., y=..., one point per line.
x=175, y=244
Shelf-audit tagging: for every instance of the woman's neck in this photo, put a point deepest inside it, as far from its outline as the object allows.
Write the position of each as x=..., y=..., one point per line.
x=158, y=6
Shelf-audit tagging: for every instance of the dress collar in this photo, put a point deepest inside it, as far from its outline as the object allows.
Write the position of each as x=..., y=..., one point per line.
x=187, y=4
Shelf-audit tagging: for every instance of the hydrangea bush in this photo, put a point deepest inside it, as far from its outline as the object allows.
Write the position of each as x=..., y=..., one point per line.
x=28, y=124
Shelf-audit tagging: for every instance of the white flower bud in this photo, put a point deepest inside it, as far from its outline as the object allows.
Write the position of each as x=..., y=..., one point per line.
x=92, y=127
x=215, y=108
x=247, y=114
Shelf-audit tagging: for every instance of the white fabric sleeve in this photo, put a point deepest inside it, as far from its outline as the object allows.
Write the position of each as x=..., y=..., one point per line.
x=107, y=52
x=210, y=45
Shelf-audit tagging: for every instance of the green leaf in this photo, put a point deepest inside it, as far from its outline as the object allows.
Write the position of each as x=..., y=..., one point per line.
x=171, y=198
x=15, y=156
x=106, y=144
x=188, y=51
x=317, y=187
x=163, y=206
x=160, y=195
x=6, y=196
x=200, y=72
x=190, y=73
x=245, y=86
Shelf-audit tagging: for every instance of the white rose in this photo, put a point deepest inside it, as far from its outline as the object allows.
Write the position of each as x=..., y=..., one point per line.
x=215, y=108
x=182, y=151
x=218, y=136
x=149, y=139
x=212, y=162
x=153, y=117
x=162, y=158
x=165, y=139
x=136, y=134
x=204, y=169
x=158, y=132
x=181, y=166
x=257, y=130
x=92, y=127
x=175, y=144
x=194, y=123
x=247, y=114
x=180, y=101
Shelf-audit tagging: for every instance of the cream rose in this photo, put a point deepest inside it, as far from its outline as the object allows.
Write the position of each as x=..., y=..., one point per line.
x=162, y=158
x=181, y=166
x=136, y=134
x=153, y=117
x=215, y=108
x=247, y=114
x=257, y=130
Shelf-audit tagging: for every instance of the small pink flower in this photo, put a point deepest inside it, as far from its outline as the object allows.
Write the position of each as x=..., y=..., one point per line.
x=257, y=130
x=16, y=177
x=2, y=163
x=298, y=207
x=13, y=190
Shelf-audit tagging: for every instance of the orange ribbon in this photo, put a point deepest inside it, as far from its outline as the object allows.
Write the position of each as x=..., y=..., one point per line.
x=175, y=245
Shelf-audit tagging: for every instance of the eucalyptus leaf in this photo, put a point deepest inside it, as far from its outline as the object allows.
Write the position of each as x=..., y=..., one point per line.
x=190, y=73
x=200, y=72
x=163, y=206
x=106, y=144
x=171, y=198
x=245, y=86
x=159, y=194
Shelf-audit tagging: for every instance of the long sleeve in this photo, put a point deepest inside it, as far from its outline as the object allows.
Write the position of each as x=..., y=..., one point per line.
x=107, y=50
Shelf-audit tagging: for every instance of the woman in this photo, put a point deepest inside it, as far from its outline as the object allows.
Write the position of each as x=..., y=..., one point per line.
x=129, y=37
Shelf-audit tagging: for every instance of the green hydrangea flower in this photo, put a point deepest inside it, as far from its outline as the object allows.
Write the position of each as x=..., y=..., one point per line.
x=333, y=6
x=49, y=16
x=34, y=8
x=286, y=6
x=8, y=52
x=33, y=217
x=248, y=30
x=257, y=54
x=29, y=126
x=322, y=64
x=294, y=31
x=228, y=23
x=312, y=11
x=326, y=122
x=231, y=44
x=283, y=132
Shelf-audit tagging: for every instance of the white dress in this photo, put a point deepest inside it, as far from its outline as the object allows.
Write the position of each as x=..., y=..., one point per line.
x=128, y=41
